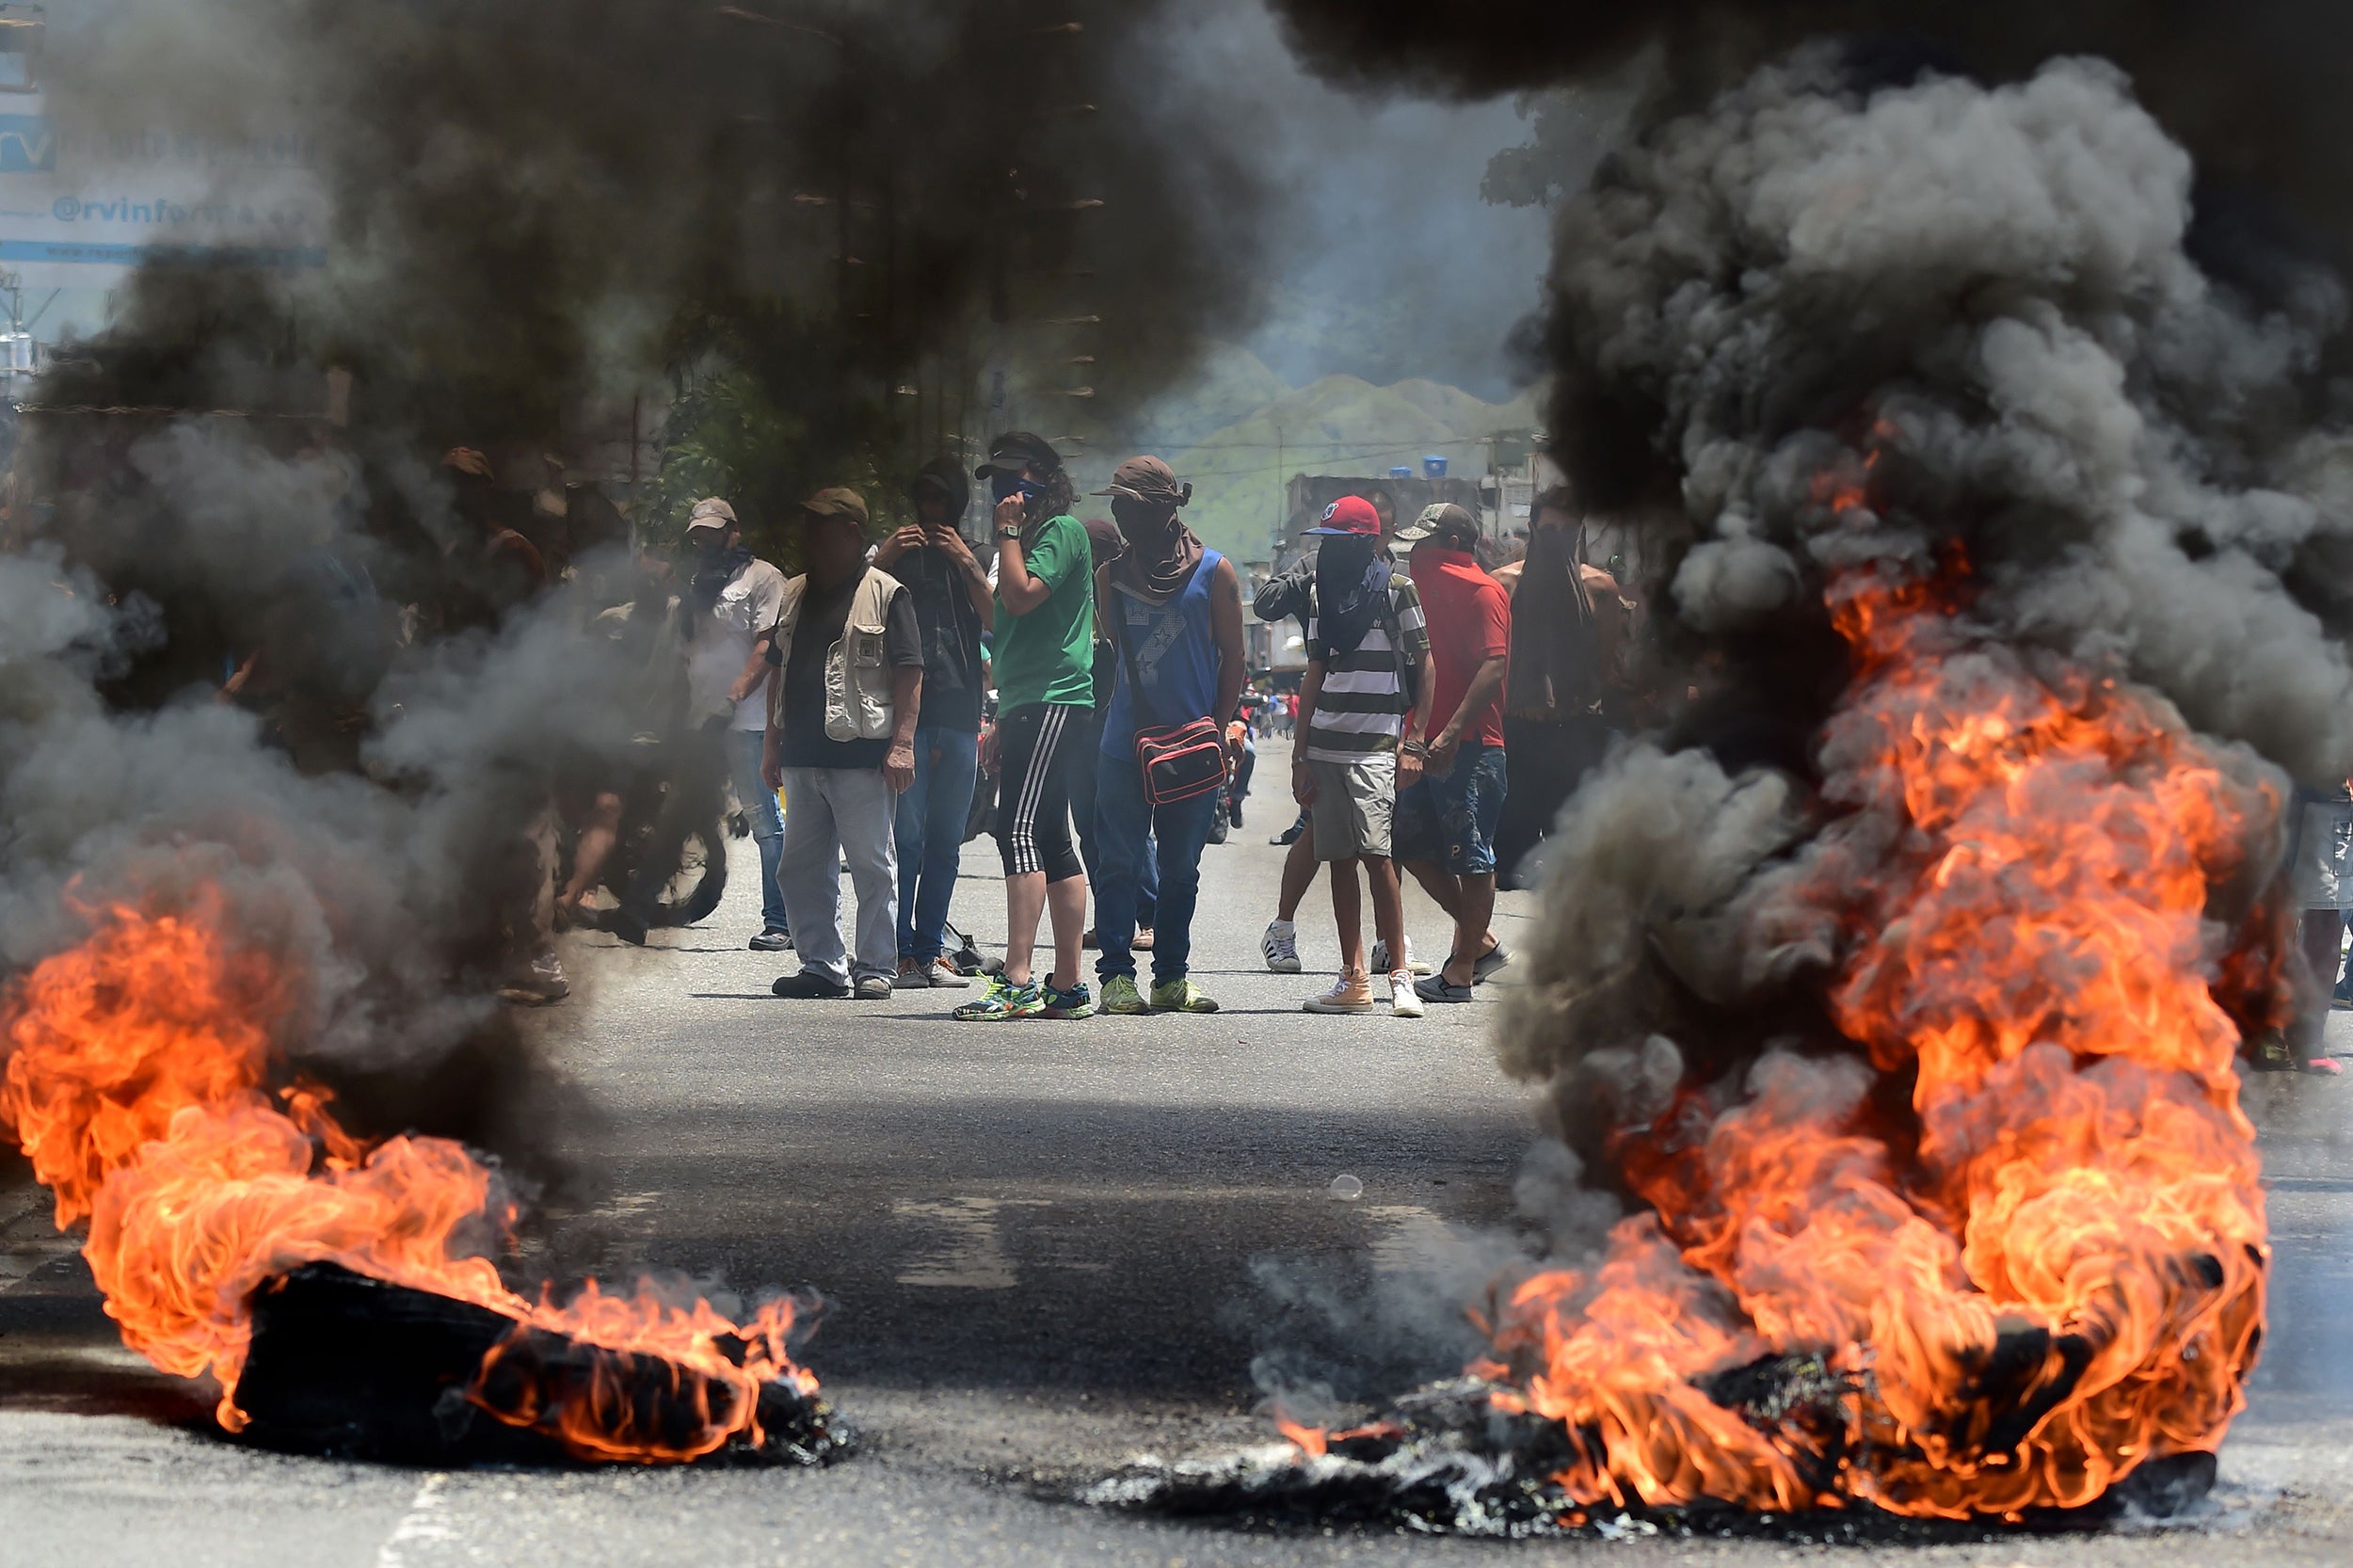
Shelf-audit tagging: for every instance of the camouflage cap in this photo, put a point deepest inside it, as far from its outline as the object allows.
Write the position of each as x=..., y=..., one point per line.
x=1444, y=519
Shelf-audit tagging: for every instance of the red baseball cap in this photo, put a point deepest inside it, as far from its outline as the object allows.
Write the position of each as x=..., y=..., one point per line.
x=1350, y=514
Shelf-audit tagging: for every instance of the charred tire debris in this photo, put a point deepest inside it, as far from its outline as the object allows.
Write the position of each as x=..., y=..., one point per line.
x=350, y=1367
x=1444, y=1461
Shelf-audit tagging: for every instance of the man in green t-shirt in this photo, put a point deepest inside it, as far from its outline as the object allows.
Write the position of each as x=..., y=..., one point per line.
x=1044, y=664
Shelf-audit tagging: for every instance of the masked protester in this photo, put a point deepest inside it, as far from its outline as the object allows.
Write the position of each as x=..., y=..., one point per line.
x=1363, y=739
x=1289, y=595
x=731, y=602
x=1445, y=822
x=1044, y=635
x=1104, y=547
x=1566, y=655
x=1172, y=608
x=493, y=569
x=842, y=719
x=954, y=607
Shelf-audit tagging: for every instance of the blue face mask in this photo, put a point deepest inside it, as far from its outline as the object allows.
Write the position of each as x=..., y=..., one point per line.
x=1002, y=485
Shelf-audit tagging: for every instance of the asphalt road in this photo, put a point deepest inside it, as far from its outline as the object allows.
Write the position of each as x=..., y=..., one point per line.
x=1046, y=1247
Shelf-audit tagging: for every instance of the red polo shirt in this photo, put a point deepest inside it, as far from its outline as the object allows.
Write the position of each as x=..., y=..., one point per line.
x=1470, y=622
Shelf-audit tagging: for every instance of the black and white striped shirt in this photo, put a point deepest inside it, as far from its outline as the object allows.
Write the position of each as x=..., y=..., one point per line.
x=1361, y=706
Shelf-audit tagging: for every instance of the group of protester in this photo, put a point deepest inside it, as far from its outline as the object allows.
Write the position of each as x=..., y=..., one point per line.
x=1399, y=753
x=1118, y=742
x=857, y=689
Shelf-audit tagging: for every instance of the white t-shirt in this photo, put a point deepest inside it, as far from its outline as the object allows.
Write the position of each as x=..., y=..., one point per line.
x=746, y=606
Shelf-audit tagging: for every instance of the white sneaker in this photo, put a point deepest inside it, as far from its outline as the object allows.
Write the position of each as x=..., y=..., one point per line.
x=1403, y=1000
x=1279, y=947
x=1381, y=958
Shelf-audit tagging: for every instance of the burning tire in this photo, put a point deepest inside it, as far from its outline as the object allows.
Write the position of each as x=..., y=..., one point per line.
x=694, y=890
x=346, y=1365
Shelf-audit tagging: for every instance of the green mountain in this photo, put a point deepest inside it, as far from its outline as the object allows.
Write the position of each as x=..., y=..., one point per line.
x=1337, y=424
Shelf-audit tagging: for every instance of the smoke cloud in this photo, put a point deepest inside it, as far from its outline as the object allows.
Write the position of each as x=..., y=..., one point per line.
x=521, y=209
x=2048, y=305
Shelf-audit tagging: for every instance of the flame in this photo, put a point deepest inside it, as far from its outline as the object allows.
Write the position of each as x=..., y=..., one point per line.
x=1311, y=1441
x=134, y=1082
x=1315, y=1442
x=2026, y=1246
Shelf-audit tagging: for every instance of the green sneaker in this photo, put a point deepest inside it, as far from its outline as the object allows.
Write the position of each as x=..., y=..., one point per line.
x=1182, y=995
x=1001, y=1000
x=1077, y=1002
x=1121, y=995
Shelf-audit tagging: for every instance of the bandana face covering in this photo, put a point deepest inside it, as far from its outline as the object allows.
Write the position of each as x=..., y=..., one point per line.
x=1162, y=552
x=1352, y=584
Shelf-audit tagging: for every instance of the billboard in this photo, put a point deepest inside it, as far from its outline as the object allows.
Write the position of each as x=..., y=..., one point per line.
x=86, y=197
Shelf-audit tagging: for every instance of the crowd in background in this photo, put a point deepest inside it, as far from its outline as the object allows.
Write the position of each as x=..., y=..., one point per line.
x=1081, y=690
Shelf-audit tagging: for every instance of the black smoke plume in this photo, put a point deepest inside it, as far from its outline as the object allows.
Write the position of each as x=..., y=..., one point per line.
x=2082, y=324
x=1949, y=365
x=523, y=207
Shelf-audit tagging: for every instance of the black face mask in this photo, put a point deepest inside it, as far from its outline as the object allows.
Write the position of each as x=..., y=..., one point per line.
x=1352, y=589
x=715, y=567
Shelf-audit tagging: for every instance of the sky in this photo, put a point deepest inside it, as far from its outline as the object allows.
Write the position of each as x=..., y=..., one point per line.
x=1385, y=261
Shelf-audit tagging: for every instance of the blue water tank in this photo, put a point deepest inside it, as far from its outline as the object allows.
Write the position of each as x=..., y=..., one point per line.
x=1401, y=472
x=1433, y=467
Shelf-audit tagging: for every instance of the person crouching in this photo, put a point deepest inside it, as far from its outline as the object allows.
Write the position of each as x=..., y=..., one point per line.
x=841, y=743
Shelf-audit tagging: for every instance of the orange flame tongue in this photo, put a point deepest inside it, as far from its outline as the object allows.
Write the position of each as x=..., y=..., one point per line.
x=134, y=1084
x=2057, y=1273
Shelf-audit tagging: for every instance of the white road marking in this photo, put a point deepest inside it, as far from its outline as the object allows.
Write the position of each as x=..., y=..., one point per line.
x=971, y=1256
x=423, y=1527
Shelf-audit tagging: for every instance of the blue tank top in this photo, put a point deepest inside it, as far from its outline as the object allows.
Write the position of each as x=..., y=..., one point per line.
x=1176, y=656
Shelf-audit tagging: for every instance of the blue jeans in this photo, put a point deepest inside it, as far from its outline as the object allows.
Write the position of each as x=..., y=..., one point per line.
x=930, y=830
x=759, y=804
x=1131, y=836
x=1452, y=821
x=1091, y=851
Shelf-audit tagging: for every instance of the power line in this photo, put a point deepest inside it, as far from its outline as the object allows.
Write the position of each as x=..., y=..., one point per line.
x=1337, y=458
x=1270, y=446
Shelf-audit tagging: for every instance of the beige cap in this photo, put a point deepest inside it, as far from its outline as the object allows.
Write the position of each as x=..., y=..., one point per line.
x=710, y=512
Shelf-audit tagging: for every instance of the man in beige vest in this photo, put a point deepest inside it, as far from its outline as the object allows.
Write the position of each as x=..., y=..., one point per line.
x=841, y=721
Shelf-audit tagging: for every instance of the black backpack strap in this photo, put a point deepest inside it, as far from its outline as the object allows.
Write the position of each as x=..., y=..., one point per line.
x=1127, y=658
x=1127, y=654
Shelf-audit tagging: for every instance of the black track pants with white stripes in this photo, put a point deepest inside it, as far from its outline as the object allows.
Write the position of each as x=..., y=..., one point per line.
x=1036, y=747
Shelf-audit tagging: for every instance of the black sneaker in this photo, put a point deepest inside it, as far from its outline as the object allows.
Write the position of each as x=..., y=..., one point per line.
x=1291, y=835
x=808, y=985
x=770, y=941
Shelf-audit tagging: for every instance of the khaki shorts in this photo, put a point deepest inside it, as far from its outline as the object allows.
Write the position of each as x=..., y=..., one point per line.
x=1355, y=802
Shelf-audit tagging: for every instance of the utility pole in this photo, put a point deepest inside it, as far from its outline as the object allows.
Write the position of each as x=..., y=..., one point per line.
x=1282, y=494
